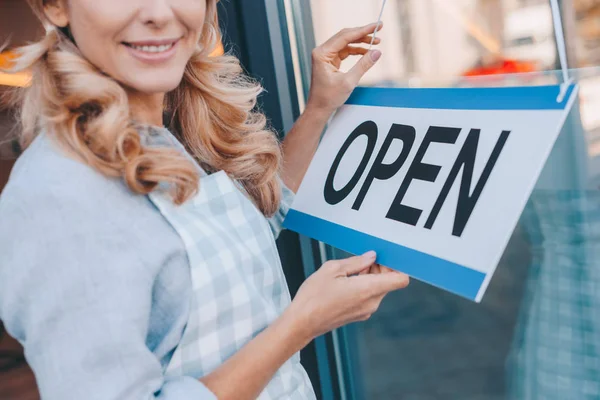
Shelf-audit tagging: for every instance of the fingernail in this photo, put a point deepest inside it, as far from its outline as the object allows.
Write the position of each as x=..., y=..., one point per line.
x=375, y=55
x=370, y=255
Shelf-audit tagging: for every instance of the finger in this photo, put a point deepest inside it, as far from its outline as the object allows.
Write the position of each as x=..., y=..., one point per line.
x=386, y=270
x=363, y=66
x=373, y=305
x=354, y=265
x=367, y=270
x=352, y=51
x=367, y=39
x=375, y=269
x=346, y=36
x=383, y=283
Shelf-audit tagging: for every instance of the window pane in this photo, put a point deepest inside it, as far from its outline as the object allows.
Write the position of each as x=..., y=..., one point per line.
x=535, y=336
x=435, y=42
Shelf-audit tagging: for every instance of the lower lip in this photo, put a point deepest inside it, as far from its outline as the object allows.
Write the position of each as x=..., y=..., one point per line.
x=153, y=58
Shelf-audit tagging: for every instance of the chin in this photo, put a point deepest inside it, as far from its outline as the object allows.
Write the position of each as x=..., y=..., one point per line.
x=155, y=84
x=158, y=86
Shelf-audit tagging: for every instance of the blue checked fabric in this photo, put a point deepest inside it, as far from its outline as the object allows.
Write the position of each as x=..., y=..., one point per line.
x=238, y=282
x=556, y=351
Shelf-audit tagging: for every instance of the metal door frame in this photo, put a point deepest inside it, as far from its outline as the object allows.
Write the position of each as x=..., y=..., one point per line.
x=258, y=33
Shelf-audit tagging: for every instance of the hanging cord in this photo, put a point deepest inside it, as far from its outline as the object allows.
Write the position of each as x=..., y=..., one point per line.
x=562, y=50
x=378, y=24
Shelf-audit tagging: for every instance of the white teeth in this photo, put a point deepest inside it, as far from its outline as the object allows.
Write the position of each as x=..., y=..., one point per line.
x=153, y=49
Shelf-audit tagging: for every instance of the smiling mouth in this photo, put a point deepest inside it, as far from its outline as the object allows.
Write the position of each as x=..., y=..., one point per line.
x=152, y=48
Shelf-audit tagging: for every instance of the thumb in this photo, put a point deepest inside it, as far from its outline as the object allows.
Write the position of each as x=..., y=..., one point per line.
x=363, y=65
x=354, y=265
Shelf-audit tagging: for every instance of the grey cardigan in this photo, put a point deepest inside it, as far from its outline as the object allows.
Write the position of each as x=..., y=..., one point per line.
x=93, y=281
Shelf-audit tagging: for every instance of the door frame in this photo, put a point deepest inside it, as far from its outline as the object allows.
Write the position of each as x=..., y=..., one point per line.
x=257, y=32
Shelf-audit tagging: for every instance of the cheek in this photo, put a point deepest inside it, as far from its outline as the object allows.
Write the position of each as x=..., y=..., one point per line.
x=94, y=25
x=192, y=14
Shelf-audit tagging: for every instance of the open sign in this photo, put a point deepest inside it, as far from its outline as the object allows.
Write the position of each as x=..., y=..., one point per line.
x=434, y=180
x=418, y=170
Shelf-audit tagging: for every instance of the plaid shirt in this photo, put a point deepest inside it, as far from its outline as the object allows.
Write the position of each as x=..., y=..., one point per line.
x=239, y=287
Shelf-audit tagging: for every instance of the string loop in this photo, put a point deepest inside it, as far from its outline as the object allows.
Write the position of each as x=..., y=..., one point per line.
x=560, y=44
x=378, y=24
x=562, y=50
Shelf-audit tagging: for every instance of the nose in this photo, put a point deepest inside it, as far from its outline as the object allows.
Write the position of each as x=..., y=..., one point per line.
x=156, y=13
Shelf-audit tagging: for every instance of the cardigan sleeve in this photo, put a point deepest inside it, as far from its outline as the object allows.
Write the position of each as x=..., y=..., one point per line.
x=276, y=221
x=78, y=296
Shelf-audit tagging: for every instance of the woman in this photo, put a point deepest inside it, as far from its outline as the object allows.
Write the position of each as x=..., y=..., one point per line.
x=108, y=214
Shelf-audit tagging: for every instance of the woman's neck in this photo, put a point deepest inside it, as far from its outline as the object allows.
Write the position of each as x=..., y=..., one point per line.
x=147, y=108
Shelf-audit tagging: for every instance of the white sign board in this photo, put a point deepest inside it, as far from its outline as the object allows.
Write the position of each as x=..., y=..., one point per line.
x=434, y=180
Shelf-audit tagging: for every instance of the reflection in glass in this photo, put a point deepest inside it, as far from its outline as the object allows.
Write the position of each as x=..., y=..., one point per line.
x=537, y=333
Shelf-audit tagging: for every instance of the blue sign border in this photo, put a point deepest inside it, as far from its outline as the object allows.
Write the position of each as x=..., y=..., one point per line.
x=502, y=98
x=450, y=276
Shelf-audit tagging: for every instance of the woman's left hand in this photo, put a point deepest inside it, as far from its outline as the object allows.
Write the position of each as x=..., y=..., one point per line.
x=330, y=87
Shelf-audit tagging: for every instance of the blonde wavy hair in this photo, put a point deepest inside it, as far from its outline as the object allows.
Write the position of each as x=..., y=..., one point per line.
x=212, y=112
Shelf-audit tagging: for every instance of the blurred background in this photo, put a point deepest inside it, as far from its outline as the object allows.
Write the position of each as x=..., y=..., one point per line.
x=536, y=334
x=434, y=42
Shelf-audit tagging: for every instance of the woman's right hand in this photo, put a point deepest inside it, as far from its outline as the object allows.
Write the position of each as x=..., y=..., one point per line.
x=342, y=292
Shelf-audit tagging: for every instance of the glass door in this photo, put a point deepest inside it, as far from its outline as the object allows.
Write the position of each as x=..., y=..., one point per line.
x=535, y=335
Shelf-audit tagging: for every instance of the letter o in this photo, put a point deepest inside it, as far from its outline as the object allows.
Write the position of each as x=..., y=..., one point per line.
x=368, y=129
